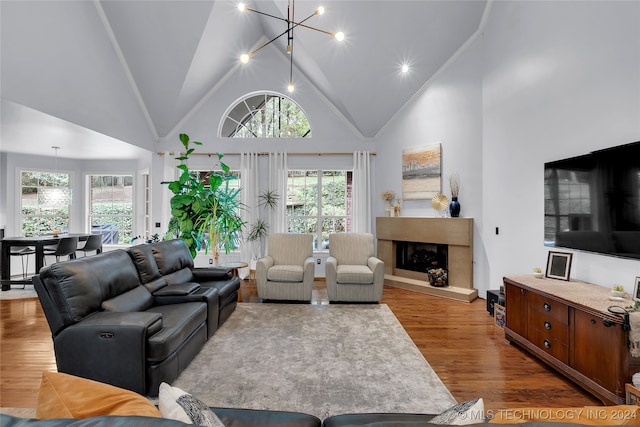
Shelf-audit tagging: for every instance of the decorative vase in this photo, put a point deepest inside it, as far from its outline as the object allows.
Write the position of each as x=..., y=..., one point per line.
x=454, y=207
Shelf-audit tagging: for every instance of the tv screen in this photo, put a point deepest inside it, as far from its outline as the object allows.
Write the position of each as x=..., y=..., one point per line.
x=592, y=202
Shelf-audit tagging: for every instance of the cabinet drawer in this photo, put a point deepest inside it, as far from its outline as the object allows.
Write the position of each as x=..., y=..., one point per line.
x=552, y=308
x=549, y=344
x=548, y=325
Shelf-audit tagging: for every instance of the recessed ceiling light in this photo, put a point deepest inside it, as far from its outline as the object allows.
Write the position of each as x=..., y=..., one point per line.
x=404, y=68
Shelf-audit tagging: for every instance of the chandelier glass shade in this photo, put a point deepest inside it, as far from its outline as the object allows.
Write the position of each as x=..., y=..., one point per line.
x=291, y=24
x=54, y=196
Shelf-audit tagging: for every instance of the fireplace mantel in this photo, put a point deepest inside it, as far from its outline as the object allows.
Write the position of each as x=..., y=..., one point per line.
x=457, y=233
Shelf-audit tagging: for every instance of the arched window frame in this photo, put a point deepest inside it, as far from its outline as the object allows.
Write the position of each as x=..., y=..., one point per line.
x=224, y=129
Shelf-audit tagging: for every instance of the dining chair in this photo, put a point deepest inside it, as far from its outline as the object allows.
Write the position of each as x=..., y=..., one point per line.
x=22, y=253
x=67, y=246
x=93, y=243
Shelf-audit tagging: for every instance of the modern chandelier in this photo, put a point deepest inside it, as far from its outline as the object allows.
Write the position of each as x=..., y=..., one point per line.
x=56, y=195
x=291, y=25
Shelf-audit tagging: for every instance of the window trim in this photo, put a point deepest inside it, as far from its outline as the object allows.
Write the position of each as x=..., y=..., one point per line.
x=244, y=97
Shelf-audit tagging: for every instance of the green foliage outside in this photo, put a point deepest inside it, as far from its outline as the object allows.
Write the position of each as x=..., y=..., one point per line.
x=303, y=212
x=278, y=118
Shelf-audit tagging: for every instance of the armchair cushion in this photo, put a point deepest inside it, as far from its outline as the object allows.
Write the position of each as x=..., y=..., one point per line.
x=354, y=274
x=285, y=273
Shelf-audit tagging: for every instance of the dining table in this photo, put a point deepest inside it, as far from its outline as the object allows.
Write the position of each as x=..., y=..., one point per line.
x=39, y=242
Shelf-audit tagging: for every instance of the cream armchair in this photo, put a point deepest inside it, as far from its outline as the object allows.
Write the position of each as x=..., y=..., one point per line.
x=353, y=273
x=286, y=273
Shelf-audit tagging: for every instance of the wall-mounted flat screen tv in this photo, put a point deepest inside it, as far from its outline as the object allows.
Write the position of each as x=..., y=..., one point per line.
x=592, y=202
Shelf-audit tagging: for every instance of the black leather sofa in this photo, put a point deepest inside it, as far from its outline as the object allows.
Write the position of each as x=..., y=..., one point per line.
x=229, y=417
x=108, y=327
x=170, y=263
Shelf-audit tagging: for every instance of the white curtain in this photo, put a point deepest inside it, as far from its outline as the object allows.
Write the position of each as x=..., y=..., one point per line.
x=278, y=183
x=361, y=194
x=169, y=173
x=249, y=175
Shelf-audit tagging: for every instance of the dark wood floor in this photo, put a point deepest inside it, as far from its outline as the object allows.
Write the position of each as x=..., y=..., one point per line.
x=459, y=340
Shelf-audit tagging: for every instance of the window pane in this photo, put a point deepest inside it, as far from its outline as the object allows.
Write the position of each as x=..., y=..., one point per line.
x=112, y=207
x=42, y=212
x=266, y=115
x=317, y=203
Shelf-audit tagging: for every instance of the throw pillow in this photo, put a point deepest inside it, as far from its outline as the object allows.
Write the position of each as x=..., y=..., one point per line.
x=177, y=404
x=67, y=396
x=465, y=413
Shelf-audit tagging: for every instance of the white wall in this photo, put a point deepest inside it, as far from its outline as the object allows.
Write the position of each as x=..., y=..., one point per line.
x=545, y=81
x=560, y=79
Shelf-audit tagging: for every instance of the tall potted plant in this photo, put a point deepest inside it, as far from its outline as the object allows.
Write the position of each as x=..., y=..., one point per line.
x=204, y=216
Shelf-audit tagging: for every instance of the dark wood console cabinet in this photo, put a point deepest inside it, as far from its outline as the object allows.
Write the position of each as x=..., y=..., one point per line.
x=567, y=325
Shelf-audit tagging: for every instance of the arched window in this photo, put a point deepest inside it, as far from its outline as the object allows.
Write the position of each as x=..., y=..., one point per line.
x=265, y=115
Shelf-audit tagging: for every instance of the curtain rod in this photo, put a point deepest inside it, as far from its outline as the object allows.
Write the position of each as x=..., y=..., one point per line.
x=264, y=153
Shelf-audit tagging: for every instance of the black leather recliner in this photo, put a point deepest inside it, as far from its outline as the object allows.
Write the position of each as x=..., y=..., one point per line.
x=170, y=263
x=107, y=327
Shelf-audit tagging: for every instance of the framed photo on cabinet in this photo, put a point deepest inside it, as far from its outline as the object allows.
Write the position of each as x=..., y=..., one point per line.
x=559, y=265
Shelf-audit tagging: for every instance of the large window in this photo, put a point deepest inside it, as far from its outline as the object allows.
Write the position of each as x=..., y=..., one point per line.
x=265, y=115
x=319, y=202
x=44, y=202
x=111, y=207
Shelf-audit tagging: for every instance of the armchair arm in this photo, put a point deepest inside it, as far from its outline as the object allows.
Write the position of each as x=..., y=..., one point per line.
x=308, y=274
x=262, y=267
x=109, y=347
x=210, y=274
x=331, y=277
x=377, y=266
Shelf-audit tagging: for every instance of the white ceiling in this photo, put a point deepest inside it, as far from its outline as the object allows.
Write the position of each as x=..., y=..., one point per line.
x=96, y=73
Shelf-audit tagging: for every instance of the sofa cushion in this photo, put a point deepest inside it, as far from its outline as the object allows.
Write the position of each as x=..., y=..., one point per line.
x=285, y=273
x=172, y=255
x=176, y=404
x=182, y=275
x=145, y=263
x=358, y=274
x=226, y=288
x=67, y=396
x=137, y=299
x=179, y=321
x=78, y=287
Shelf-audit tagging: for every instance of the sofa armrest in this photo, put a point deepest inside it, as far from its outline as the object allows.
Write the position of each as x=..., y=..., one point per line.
x=109, y=347
x=210, y=274
x=206, y=294
x=178, y=289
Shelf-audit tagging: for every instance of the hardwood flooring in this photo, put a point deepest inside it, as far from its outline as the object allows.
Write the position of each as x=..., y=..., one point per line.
x=459, y=340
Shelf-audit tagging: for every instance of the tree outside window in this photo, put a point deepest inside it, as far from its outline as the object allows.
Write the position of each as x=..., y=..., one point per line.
x=319, y=202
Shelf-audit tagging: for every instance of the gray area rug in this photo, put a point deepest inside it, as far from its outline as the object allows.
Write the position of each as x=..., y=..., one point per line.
x=318, y=359
x=17, y=293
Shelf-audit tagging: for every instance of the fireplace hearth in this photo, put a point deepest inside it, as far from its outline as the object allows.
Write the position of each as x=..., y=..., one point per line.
x=410, y=246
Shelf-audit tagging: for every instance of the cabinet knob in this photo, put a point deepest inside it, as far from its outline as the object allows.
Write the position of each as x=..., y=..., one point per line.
x=593, y=321
x=546, y=306
x=547, y=344
x=606, y=322
x=547, y=326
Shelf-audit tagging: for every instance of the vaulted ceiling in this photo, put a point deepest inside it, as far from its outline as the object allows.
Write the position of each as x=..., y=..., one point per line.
x=108, y=72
